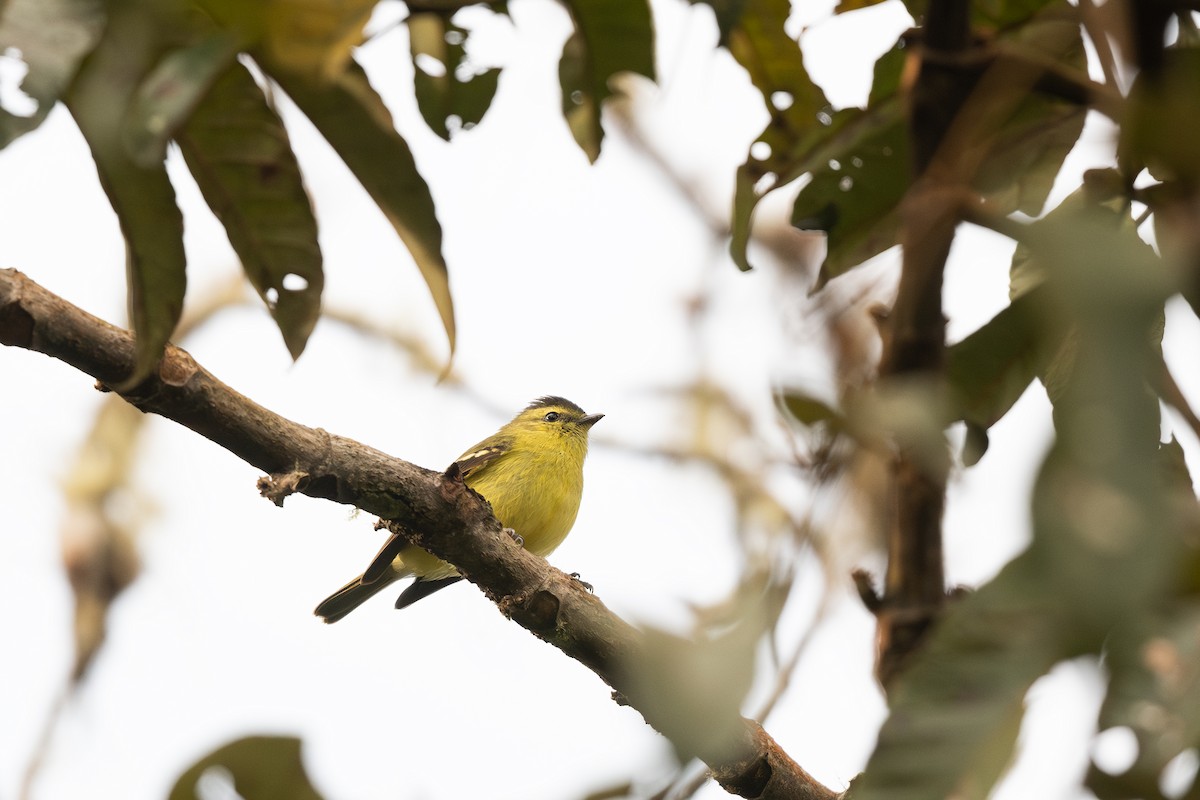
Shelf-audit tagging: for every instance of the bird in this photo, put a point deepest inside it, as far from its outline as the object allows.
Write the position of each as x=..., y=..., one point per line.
x=530, y=471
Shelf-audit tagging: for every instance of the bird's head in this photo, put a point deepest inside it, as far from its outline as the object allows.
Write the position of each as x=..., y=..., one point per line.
x=551, y=419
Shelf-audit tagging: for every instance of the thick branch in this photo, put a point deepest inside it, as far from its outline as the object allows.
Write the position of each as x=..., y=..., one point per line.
x=446, y=517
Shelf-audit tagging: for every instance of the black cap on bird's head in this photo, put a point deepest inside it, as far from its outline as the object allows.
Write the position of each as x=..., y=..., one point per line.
x=577, y=414
x=550, y=401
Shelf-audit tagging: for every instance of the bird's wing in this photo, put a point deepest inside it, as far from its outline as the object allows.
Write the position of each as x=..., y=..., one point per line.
x=423, y=588
x=481, y=455
x=471, y=461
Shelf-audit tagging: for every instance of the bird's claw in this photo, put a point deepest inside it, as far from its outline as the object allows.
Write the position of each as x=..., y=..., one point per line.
x=516, y=537
x=583, y=583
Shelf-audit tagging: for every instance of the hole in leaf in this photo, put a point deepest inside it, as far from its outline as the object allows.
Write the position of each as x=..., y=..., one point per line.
x=760, y=151
x=825, y=118
x=577, y=97
x=765, y=184
x=782, y=100
x=834, y=164
x=12, y=71
x=271, y=296
x=1115, y=750
x=294, y=283
x=1179, y=774
x=846, y=183
x=454, y=123
x=454, y=38
x=856, y=161
x=429, y=65
x=216, y=783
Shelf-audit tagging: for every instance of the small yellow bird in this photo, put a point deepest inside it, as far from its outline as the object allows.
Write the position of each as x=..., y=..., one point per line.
x=531, y=471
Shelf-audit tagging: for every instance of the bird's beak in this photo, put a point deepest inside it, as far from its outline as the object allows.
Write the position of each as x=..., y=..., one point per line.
x=590, y=419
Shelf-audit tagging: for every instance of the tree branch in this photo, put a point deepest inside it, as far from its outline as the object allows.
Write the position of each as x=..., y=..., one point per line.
x=443, y=514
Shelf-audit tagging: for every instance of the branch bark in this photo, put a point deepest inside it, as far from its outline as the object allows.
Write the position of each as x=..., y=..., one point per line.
x=442, y=514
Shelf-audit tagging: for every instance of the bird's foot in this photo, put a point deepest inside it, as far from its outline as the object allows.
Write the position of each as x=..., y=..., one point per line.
x=516, y=537
x=583, y=583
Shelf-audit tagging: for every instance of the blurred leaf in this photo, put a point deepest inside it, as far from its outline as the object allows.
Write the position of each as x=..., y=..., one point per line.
x=143, y=198
x=611, y=36
x=989, y=370
x=355, y=121
x=1154, y=690
x=694, y=688
x=1025, y=158
x=50, y=37
x=956, y=710
x=992, y=15
x=807, y=409
x=1158, y=110
x=238, y=151
x=171, y=92
x=1099, y=505
x=800, y=113
x=256, y=768
x=445, y=85
x=312, y=39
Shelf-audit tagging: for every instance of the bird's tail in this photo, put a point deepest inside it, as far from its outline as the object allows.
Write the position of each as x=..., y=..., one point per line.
x=348, y=598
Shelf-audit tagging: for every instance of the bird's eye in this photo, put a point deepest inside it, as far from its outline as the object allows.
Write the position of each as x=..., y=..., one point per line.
x=552, y=416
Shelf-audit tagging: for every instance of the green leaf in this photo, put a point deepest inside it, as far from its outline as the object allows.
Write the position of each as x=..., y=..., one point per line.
x=854, y=194
x=445, y=86
x=863, y=174
x=51, y=37
x=171, y=93
x=238, y=151
x=354, y=120
x=989, y=370
x=143, y=198
x=255, y=767
x=808, y=410
x=611, y=36
x=800, y=113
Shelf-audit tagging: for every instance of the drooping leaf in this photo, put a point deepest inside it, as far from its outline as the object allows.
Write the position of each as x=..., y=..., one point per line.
x=255, y=767
x=50, y=37
x=354, y=120
x=313, y=39
x=448, y=89
x=170, y=94
x=143, y=198
x=611, y=36
x=800, y=114
x=237, y=149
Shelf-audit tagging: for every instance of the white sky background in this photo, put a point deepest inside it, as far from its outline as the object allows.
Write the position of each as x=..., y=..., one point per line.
x=568, y=279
